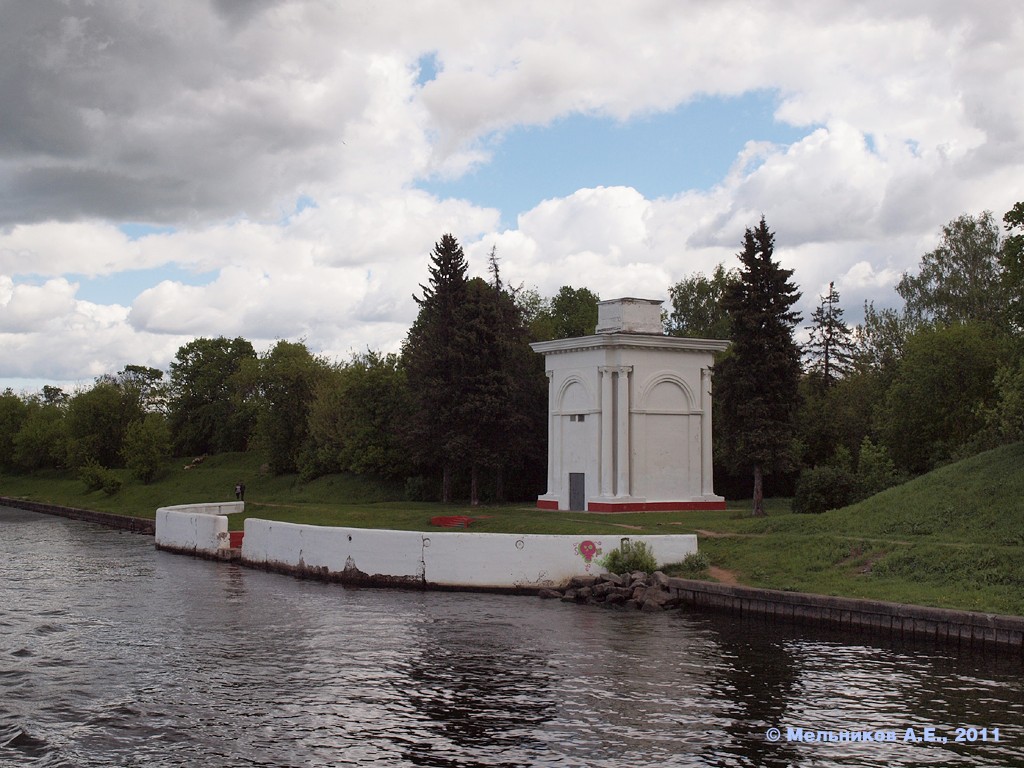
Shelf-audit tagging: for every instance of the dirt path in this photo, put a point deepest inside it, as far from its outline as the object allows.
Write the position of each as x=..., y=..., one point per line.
x=722, y=576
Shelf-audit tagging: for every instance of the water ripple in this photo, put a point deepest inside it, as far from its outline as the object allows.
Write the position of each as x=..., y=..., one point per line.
x=117, y=655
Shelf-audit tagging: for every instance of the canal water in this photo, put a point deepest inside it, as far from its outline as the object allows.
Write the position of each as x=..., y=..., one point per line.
x=114, y=654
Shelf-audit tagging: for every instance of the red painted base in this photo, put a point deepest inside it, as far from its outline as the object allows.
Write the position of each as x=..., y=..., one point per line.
x=646, y=506
x=235, y=538
x=653, y=506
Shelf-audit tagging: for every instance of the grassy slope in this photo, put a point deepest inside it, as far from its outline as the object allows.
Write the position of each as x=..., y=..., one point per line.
x=953, y=538
x=213, y=480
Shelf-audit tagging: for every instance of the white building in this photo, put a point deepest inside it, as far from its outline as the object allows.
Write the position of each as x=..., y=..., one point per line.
x=629, y=415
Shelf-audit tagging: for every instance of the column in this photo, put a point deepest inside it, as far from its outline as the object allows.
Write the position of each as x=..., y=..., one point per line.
x=607, y=447
x=622, y=429
x=551, y=431
x=706, y=465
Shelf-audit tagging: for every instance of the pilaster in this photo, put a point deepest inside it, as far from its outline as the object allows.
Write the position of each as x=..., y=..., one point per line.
x=622, y=431
x=607, y=427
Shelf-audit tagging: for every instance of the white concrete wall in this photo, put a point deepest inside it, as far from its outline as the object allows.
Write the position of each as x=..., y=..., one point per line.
x=445, y=559
x=391, y=553
x=211, y=508
x=191, y=531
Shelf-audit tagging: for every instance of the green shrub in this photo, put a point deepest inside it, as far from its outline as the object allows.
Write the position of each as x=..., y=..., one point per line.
x=823, y=488
x=629, y=557
x=693, y=565
x=98, y=478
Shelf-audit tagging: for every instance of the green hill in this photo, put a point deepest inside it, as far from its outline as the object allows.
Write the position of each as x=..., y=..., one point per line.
x=213, y=479
x=951, y=538
x=980, y=499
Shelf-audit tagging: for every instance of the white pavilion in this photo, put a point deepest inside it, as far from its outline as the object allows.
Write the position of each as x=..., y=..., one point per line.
x=629, y=415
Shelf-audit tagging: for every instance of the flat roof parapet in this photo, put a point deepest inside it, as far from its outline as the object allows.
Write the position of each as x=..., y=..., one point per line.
x=629, y=315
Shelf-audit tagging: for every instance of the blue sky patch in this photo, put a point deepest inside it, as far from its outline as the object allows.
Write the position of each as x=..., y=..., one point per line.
x=123, y=287
x=691, y=147
x=427, y=67
x=135, y=231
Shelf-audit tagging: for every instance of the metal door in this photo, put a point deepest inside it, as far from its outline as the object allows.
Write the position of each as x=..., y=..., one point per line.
x=577, y=491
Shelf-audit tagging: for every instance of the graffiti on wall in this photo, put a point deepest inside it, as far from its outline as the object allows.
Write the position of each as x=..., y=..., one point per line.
x=588, y=550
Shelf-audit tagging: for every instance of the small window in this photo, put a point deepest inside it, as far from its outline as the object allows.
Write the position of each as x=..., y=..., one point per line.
x=578, y=417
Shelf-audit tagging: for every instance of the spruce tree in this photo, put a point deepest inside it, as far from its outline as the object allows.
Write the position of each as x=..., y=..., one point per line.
x=478, y=392
x=830, y=348
x=435, y=356
x=494, y=414
x=757, y=381
x=510, y=420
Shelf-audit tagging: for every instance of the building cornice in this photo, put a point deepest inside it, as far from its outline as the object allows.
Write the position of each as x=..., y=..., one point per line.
x=629, y=341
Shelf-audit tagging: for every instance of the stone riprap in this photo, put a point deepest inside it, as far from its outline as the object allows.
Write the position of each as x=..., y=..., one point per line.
x=628, y=591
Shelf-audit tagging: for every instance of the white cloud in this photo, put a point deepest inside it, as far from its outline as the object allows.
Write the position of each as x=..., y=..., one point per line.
x=828, y=187
x=216, y=118
x=57, y=248
x=332, y=271
x=46, y=333
x=866, y=276
x=24, y=307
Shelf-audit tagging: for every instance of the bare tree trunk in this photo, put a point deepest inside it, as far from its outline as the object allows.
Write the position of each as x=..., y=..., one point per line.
x=758, y=492
x=474, y=497
x=446, y=485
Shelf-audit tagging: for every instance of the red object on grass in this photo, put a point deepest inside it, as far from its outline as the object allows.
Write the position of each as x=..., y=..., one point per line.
x=452, y=521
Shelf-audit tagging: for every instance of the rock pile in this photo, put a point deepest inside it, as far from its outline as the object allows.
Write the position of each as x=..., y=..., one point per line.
x=636, y=590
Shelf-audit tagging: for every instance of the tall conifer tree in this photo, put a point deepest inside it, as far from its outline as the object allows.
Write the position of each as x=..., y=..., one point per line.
x=757, y=381
x=435, y=356
x=830, y=348
x=494, y=412
x=478, y=391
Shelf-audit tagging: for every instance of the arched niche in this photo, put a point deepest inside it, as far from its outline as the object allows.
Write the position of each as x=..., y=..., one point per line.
x=666, y=393
x=575, y=397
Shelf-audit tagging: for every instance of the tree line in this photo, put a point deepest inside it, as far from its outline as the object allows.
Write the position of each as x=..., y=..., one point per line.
x=853, y=410
x=460, y=412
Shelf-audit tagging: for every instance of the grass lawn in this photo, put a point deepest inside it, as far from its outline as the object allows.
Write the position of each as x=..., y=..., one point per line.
x=953, y=538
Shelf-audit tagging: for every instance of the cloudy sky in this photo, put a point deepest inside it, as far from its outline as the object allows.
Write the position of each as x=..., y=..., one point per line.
x=281, y=170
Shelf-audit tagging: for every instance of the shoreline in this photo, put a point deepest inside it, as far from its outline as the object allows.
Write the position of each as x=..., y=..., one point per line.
x=109, y=519
x=964, y=629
